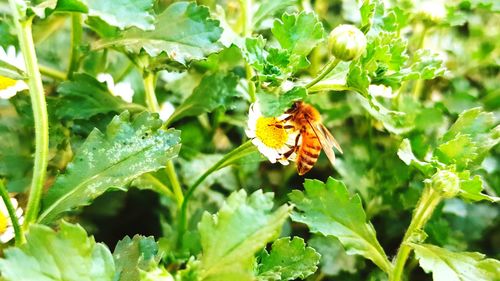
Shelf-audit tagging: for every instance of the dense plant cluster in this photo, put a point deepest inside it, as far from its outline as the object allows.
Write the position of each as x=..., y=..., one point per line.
x=155, y=140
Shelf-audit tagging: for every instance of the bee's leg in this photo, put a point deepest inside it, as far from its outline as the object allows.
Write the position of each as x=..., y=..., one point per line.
x=293, y=149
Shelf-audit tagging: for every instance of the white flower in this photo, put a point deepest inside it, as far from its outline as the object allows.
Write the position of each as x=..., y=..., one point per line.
x=11, y=57
x=271, y=140
x=10, y=87
x=433, y=11
x=380, y=91
x=166, y=110
x=121, y=89
x=6, y=228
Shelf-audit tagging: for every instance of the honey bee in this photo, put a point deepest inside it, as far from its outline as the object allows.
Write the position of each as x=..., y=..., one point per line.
x=311, y=138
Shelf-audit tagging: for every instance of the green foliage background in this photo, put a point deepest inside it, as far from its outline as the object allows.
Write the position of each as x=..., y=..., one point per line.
x=250, y=219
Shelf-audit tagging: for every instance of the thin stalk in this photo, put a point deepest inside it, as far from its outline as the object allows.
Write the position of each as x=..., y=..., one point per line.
x=422, y=213
x=52, y=73
x=18, y=231
x=174, y=180
x=152, y=102
x=149, y=90
x=159, y=185
x=324, y=72
x=419, y=84
x=219, y=164
x=76, y=39
x=40, y=116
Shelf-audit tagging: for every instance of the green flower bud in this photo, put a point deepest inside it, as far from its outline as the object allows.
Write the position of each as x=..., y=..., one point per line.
x=347, y=42
x=446, y=183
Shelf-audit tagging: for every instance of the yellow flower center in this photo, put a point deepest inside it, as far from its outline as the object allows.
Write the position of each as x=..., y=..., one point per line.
x=6, y=82
x=3, y=223
x=269, y=133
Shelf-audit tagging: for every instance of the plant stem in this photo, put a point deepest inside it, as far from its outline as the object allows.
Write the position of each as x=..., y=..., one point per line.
x=76, y=39
x=18, y=232
x=422, y=213
x=224, y=161
x=419, y=83
x=327, y=69
x=161, y=187
x=174, y=180
x=40, y=116
x=152, y=102
x=52, y=73
x=247, y=31
x=149, y=91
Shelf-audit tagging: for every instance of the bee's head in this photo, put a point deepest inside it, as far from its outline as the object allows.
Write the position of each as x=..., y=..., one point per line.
x=294, y=107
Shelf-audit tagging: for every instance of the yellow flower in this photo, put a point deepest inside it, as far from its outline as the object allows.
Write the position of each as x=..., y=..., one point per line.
x=271, y=140
x=6, y=228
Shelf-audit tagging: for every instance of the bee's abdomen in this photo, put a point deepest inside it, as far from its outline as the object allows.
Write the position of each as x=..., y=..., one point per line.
x=308, y=153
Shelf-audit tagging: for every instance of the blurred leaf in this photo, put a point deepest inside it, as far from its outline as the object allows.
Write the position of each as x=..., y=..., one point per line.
x=230, y=238
x=299, y=34
x=127, y=150
x=275, y=105
x=329, y=210
x=214, y=91
x=288, y=260
x=84, y=96
x=267, y=8
x=184, y=31
x=333, y=256
x=56, y=256
x=133, y=255
x=405, y=153
x=446, y=265
x=470, y=188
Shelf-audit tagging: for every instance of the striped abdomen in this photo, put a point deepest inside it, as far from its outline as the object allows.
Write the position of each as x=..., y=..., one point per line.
x=308, y=152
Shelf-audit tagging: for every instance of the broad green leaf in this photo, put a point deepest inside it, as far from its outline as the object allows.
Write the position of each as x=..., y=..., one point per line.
x=231, y=238
x=446, y=265
x=133, y=255
x=84, y=96
x=470, y=188
x=288, y=260
x=123, y=13
x=127, y=150
x=58, y=256
x=215, y=90
x=460, y=151
x=269, y=66
x=184, y=31
x=425, y=65
x=299, y=34
x=327, y=208
x=405, y=153
x=275, y=105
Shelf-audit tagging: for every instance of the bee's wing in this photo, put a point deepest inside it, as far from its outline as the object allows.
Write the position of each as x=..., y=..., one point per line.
x=323, y=140
x=329, y=137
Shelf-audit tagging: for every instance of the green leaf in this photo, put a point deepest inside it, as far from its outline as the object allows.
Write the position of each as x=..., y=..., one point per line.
x=405, y=153
x=84, y=97
x=215, y=90
x=288, y=260
x=269, y=65
x=184, y=31
x=127, y=150
x=333, y=256
x=123, y=13
x=470, y=188
x=425, y=65
x=469, y=139
x=275, y=105
x=133, y=255
x=267, y=8
x=446, y=265
x=328, y=209
x=231, y=238
x=58, y=256
x=299, y=34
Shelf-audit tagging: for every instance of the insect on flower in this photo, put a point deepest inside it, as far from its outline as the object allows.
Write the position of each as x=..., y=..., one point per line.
x=271, y=139
x=312, y=137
